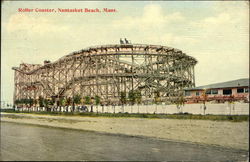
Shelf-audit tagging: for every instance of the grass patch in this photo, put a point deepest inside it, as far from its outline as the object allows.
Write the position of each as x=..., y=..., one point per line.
x=232, y=118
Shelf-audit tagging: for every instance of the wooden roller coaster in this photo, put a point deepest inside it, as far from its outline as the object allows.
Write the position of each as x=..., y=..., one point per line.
x=107, y=71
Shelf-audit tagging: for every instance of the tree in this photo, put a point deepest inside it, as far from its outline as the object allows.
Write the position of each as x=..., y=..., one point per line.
x=204, y=100
x=35, y=102
x=180, y=101
x=62, y=102
x=123, y=97
x=52, y=101
x=157, y=98
x=25, y=101
x=77, y=99
x=41, y=101
x=30, y=101
x=68, y=101
x=97, y=100
x=87, y=100
x=46, y=102
x=131, y=96
x=138, y=96
x=16, y=102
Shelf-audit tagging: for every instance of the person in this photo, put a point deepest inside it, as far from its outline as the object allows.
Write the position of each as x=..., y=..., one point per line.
x=121, y=41
x=126, y=41
x=91, y=108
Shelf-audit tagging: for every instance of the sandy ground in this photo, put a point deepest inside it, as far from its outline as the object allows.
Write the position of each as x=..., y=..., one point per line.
x=227, y=134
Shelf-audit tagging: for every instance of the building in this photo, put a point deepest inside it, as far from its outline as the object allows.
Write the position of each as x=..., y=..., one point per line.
x=114, y=73
x=235, y=90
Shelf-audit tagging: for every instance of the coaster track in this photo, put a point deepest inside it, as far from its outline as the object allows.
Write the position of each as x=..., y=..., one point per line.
x=108, y=70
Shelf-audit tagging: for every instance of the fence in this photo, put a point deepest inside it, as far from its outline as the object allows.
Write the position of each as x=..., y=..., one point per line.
x=208, y=108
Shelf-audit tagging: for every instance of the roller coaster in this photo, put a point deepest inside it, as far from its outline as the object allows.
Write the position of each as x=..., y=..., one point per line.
x=108, y=71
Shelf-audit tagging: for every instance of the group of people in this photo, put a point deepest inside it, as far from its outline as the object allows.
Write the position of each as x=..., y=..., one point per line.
x=126, y=41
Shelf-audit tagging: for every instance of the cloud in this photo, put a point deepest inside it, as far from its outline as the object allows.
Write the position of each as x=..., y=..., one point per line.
x=152, y=17
x=232, y=7
x=31, y=24
x=154, y=25
x=226, y=30
x=220, y=22
x=229, y=17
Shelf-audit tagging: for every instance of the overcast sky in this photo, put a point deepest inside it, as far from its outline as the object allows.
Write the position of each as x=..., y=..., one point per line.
x=215, y=33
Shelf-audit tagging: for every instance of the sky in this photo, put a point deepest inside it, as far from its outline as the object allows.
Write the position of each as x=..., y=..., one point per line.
x=216, y=33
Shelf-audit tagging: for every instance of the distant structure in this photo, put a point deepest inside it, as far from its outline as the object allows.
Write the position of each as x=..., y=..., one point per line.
x=117, y=74
x=235, y=90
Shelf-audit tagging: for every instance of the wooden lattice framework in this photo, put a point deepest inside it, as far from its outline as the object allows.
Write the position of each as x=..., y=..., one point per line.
x=108, y=70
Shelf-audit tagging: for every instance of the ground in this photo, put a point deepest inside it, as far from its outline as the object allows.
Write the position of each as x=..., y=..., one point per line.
x=220, y=133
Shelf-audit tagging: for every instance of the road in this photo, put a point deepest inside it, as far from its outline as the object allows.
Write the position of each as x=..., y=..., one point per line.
x=29, y=142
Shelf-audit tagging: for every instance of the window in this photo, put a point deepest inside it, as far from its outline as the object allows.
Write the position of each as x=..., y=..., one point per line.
x=187, y=93
x=227, y=91
x=208, y=91
x=214, y=91
x=246, y=90
x=197, y=93
x=240, y=90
